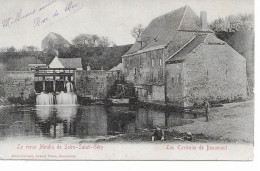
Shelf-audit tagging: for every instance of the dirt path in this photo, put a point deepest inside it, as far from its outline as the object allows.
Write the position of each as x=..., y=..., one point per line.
x=232, y=122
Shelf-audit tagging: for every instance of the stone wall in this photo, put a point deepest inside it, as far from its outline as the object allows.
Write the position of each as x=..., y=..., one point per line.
x=18, y=83
x=151, y=94
x=175, y=84
x=214, y=72
x=146, y=68
x=94, y=84
x=146, y=72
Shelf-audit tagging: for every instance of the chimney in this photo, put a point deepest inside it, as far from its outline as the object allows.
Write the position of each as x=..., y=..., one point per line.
x=203, y=20
x=140, y=41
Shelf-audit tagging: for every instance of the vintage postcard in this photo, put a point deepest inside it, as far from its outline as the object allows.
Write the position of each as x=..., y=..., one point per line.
x=126, y=80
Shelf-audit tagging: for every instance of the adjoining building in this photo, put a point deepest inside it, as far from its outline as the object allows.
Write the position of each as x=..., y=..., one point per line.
x=179, y=61
x=117, y=71
x=66, y=63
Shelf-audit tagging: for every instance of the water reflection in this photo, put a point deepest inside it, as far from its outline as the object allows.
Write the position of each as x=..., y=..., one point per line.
x=82, y=121
x=91, y=121
x=15, y=122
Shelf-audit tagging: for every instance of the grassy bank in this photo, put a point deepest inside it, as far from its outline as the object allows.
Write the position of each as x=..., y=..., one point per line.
x=233, y=122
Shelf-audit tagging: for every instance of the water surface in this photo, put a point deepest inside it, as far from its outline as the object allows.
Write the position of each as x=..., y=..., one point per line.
x=84, y=121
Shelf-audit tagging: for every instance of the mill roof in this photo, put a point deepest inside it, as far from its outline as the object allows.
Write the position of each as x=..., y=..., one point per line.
x=179, y=26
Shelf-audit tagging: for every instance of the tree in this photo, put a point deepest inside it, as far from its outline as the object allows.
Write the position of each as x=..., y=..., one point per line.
x=103, y=42
x=11, y=49
x=137, y=31
x=233, y=23
x=87, y=40
x=30, y=48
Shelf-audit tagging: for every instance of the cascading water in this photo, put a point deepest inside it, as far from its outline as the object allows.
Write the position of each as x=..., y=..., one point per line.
x=69, y=98
x=44, y=99
x=66, y=98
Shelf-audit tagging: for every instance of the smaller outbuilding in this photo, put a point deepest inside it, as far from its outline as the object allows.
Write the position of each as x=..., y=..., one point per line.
x=66, y=63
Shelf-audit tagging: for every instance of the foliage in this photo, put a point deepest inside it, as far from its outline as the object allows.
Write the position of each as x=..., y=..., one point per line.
x=12, y=59
x=97, y=57
x=21, y=101
x=11, y=49
x=137, y=31
x=87, y=40
x=30, y=48
x=233, y=23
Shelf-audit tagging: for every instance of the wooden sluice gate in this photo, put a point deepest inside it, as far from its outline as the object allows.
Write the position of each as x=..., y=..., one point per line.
x=52, y=80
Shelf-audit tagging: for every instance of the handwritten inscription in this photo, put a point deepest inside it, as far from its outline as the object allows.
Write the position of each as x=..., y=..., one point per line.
x=70, y=6
x=46, y=5
x=39, y=20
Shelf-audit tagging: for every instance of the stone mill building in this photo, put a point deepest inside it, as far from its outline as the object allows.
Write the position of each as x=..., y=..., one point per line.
x=179, y=61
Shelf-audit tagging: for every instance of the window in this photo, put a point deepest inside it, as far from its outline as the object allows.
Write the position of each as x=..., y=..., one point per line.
x=152, y=63
x=173, y=80
x=148, y=54
x=148, y=58
x=226, y=72
x=130, y=61
x=160, y=62
x=140, y=61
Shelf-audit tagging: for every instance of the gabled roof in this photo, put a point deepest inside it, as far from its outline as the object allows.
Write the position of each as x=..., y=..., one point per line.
x=71, y=62
x=188, y=48
x=163, y=29
x=191, y=46
x=119, y=67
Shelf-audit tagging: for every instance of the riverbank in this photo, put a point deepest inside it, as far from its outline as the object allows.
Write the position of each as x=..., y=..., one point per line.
x=233, y=122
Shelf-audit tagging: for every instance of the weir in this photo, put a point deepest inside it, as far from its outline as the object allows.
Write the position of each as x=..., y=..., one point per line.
x=55, y=86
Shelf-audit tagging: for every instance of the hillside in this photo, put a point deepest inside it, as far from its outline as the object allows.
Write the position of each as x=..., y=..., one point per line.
x=7, y=57
x=97, y=57
x=54, y=41
x=21, y=64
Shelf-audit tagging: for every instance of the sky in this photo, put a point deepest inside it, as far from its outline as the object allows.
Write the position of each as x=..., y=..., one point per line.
x=27, y=22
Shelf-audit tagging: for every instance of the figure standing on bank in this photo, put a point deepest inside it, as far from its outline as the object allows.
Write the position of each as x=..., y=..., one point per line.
x=158, y=134
x=207, y=106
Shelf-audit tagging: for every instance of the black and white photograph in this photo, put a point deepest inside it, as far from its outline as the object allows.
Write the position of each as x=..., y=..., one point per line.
x=127, y=79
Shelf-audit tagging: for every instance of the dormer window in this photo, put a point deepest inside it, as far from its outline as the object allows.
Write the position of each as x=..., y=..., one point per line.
x=143, y=41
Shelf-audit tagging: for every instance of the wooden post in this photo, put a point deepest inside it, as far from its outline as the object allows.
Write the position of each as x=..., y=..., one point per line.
x=74, y=78
x=54, y=81
x=43, y=84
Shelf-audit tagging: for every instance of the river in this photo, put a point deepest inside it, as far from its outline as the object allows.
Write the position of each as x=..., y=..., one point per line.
x=84, y=121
